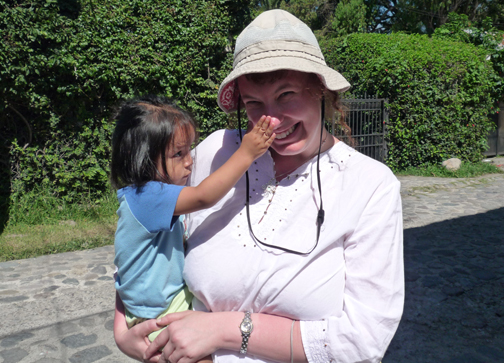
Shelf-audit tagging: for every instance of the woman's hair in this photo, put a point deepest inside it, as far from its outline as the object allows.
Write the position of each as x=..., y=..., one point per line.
x=145, y=127
x=333, y=100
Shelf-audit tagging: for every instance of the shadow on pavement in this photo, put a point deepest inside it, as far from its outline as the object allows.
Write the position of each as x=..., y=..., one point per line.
x=454, y=308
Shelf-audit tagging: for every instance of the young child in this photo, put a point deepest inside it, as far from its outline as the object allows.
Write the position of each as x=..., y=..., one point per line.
x=151, y=162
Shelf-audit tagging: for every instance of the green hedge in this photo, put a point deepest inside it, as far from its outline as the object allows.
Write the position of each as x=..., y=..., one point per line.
x=442, y=94
x=65, y=64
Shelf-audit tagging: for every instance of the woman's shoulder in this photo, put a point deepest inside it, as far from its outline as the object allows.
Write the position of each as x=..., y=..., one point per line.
x=213, y=152
x=220, y=139
x=362, y=167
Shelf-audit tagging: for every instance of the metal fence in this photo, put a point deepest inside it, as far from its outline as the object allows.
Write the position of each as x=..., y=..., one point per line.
x=367, y=119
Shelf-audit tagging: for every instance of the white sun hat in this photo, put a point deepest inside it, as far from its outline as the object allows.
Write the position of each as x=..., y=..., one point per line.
x=277, y=40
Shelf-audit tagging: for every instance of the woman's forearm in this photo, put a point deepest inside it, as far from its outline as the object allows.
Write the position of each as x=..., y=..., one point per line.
x=271, y=339
x=191, y=335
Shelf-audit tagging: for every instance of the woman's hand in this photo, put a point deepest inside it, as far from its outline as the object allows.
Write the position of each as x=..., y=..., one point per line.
x=132, y=342
x=189, y=336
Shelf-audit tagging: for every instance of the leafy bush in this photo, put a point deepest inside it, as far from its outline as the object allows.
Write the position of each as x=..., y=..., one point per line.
x=442, y=94
x=484, y=35
x=65, y=65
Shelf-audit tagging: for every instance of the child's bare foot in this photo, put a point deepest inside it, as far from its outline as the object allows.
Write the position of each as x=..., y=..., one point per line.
x=260, y=137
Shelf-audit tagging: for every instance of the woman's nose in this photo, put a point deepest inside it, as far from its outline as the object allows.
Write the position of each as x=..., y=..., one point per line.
x=274, y=113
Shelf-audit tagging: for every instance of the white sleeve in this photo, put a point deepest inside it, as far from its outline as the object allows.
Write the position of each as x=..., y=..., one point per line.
x=374, y=287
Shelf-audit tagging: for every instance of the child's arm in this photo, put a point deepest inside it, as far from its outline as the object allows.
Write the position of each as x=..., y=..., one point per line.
x=215, y=187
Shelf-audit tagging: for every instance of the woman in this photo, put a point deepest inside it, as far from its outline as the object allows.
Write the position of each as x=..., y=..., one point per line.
x=280, y=284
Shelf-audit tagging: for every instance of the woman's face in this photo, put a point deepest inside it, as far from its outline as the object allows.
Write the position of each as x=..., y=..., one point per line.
x=294, y=103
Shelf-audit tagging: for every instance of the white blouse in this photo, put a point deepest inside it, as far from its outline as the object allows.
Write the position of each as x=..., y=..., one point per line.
x=348, y=293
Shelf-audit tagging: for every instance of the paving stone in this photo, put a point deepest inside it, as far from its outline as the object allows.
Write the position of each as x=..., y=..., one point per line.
x=99, y=270
x=467, y=358
x=430, y=282
x=447, y=274
x=491, y=353
x=109, y=325
x=453, y=291
x=51, y=288
x=474, y=321
x=446, y=253
x=460, y=271
x=90, y=355
x=13, y=340
x=71, y=281
x=66, y=328
x=87, y=322
x=484, y=275
x=79, y=340
x=13, y=355
x=13, y=299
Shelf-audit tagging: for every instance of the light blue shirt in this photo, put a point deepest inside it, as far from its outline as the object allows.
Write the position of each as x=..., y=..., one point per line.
x=149, y=251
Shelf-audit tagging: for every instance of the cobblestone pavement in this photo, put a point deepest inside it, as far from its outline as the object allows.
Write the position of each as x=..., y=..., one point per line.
x=58, y=308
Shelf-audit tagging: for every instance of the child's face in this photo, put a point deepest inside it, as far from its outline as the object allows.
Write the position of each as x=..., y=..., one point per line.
x=178, y=157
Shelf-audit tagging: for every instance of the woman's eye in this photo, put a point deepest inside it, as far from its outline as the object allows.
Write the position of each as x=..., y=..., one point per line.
x=252, y=104
x=285, y=94
x=177, y=155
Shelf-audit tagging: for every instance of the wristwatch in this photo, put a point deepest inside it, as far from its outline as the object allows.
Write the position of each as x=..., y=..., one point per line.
x=246, y=328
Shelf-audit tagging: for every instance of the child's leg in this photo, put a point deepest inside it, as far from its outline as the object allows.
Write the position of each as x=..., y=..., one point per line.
x=181, y=302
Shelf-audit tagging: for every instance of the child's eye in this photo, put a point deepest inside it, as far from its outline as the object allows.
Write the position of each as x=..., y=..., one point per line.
x=177, y=155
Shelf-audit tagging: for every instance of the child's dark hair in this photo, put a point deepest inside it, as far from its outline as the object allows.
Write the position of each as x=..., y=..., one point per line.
x=144, y=127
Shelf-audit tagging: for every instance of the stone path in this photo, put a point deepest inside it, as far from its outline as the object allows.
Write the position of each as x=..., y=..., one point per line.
x=58, y=308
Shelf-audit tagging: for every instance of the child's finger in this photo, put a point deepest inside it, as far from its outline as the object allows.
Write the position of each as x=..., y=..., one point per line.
x=271, y=126
x=260, y=124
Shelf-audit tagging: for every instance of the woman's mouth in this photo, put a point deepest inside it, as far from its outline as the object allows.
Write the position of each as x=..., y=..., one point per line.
x=283, y=135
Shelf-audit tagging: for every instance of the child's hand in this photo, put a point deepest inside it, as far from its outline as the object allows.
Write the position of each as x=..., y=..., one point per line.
x=259, y=138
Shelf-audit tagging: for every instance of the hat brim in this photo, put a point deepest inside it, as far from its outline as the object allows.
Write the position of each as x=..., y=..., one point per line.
x=331, y=79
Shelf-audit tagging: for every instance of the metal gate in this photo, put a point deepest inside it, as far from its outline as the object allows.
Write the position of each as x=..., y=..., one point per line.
x=496, y=138
x=367, y=119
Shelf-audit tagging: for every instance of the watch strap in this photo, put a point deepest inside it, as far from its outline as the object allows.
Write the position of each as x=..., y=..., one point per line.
x=246, y=328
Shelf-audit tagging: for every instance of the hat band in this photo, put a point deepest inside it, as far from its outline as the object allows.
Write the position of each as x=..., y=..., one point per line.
x=278, y=48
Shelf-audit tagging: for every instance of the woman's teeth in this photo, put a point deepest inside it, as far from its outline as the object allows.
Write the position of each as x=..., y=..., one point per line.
x=283, y=135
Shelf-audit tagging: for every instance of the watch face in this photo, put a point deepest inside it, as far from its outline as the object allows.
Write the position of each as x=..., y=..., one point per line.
x=246, y=327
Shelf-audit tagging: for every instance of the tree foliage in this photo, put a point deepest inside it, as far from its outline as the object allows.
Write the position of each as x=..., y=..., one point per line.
x=442, y=94
x=483, y=35
x=65, y=65
x=349, y=17
x=424, y=16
